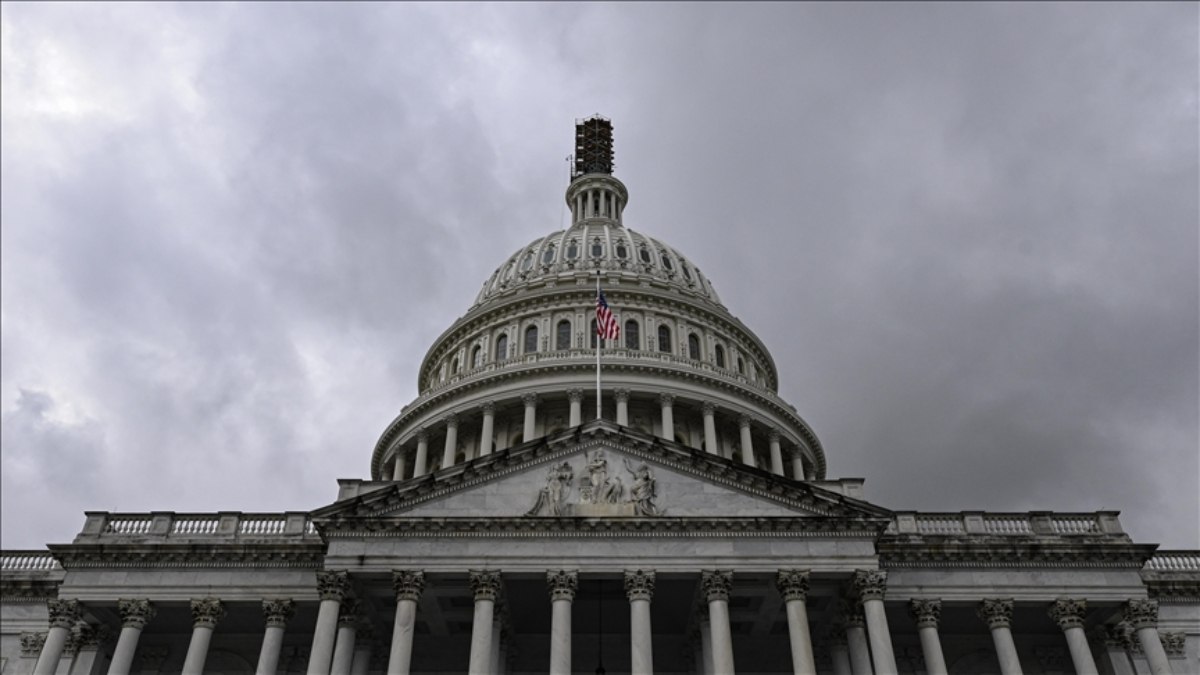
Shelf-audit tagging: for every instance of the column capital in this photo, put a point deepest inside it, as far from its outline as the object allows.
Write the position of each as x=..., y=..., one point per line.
x=90, y=636
x=529, y=399
x=562, y=583
x=870, y=584
x=575, y=395
x=1116, y=634
x=348, y=611
x=744, y=421
x=1173, y=643
x=32, y=643
x=1067, y=612
x=206, y=612
x=792, y=584
x=639, y=584
x=927, y=613
x=278, y=612
x=716, y=584
x=422, y=435
x=450, y=420
x=666, y=399
x=773, y=435
x=850, y=614
x=135, y=612
x=485, y=584
x=332, y=584
x=408, y=584
x=65, y=613
x=708, y=408
x=996, y=612
x=1141, y=613
x=621, y=395
x=488, y=407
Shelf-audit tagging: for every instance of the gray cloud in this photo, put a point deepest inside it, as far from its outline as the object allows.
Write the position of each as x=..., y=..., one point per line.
x=967, y=233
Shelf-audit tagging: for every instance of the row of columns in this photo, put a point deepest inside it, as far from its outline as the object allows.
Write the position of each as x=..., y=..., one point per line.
x=575, y=418
x=867, y=649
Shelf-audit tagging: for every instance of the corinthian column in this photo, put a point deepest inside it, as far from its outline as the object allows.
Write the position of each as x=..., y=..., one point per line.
x=667, y=401
x=871, y=585
x=530, y=401
x=408, y=585
x=562, y=585
x=716, y=584
x=64, y=614
x=710, y=428
x=622, y=397
x=87, y=641
x=450, y=449
x=486, y=586
x=1069, y=615
x=1143, y=616
x=343, y=649
x=793, y=586
x=997, y=614
x=639, y=588
x=487, y=429
x=277, y=613
x=927, y=613
x=331, y=587
x=135, y=614
x=421, y=463
x=747, y=441
x=856, y=637
x=575, y=396
x=1118, y=640
x=206, y=612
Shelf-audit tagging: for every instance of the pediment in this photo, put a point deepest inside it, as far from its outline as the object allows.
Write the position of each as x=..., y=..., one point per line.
x=600, y=471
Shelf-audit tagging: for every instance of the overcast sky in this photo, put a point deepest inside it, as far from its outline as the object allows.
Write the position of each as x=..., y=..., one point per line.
x=968, y=234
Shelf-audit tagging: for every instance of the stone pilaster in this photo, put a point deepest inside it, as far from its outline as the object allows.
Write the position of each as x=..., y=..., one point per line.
x=31, y=644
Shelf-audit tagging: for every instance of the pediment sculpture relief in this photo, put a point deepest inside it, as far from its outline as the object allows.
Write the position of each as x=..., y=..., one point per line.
x=600, y=494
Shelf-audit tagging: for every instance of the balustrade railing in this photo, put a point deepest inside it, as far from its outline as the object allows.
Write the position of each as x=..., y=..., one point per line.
x=28, y=561
x=197, y=525
x=1174, y=561
x=1006, y=524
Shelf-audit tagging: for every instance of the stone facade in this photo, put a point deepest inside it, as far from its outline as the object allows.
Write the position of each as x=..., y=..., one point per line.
x=509, y=524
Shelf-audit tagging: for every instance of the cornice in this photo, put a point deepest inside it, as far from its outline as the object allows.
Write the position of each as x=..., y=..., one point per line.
x=294, y=555
x=591, y=528
x=988, y=551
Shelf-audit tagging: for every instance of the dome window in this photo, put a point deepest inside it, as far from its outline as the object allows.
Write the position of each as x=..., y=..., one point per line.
x=633, y=336
x=741, y=366
x=597, y=248
x=664, y=339
x=572, y=250
x=693, y=347
x=562, y=340
x=645, y=255
x=593, y=333
x=501, y=347
x=622, y=252
x=720, y=356
x=477, y=357
x=527, y=263
x=454, y=366
x=531, y=339
x=687, y=274
x=666, y=261
x=548, y=256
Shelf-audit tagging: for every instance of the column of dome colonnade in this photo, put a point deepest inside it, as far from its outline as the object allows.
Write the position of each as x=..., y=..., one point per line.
x=409, y=456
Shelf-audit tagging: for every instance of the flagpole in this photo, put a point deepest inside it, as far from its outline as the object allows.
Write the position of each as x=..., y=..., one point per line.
x=599, y=341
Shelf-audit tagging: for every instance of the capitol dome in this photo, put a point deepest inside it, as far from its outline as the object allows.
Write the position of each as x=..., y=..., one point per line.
x=520, y=364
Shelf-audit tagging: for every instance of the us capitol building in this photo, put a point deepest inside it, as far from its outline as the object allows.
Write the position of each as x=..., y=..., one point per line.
x=685, y=524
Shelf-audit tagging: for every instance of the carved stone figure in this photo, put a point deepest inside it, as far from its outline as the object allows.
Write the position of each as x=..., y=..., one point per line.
x=600, y=488
x=643, y=491
x=550, y=498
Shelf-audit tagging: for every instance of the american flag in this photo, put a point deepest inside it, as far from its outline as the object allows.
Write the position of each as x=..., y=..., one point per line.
x=606, y=323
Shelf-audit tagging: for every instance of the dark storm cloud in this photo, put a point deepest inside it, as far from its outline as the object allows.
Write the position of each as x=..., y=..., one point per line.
x=967, y=233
